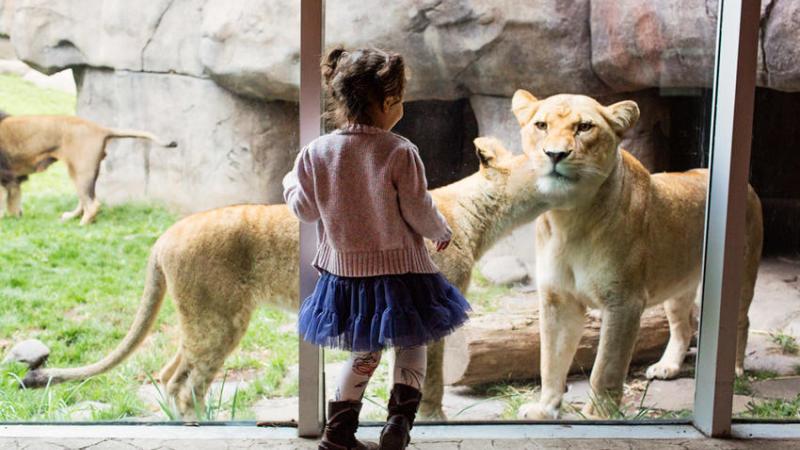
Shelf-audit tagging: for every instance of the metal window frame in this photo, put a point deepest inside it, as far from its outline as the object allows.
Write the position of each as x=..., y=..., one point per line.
x=731, y=135
x=311, y=414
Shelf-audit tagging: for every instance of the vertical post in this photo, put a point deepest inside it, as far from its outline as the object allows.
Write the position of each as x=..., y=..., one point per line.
x=731, y=125
x=311, y=413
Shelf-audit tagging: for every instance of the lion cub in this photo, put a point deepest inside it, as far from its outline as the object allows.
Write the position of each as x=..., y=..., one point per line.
x=621, y=240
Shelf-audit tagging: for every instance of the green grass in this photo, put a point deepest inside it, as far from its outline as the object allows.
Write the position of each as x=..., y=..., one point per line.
x=484, y=295
x=787, y=343
x=788, y=409
x=18, y=96
x=77, y=289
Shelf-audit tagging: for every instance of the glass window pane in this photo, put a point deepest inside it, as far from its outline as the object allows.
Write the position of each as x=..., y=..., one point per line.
x=770, y=387
x=466, y=60
x=225, y=90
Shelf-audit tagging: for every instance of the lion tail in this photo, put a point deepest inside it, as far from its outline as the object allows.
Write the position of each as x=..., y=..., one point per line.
x=155, y=288
x=125, y=133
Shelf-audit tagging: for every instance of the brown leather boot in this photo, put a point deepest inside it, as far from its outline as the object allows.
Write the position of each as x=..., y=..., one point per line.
x=340, y=431
x=403, y=406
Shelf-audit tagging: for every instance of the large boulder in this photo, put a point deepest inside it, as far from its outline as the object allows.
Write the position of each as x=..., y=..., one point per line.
x=780, y=51
x=252, y=47
x=661, y=43
x=230, y=149
x=7, y=8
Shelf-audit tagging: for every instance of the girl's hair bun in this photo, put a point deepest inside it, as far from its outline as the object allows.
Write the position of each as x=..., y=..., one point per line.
x=331, y=62
x=355, y=80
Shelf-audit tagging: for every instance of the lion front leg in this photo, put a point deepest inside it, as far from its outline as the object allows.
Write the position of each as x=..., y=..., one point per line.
x=561, y=327
x=13, y=200
x=618, y=333
x=433, y=388
x=679, y=314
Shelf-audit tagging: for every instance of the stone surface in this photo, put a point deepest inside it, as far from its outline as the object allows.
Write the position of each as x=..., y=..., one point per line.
x=280, y=409
x=252, y=47
x=504, y=269
x=519, y=245
x=84, y=411
x=32, y=352
x=234, y=152
x=13, y=67
x=663, y=43
x=61, y=81
x=460, y=403
x=775, y=308
x=779, y=50
x=778, y=388
x=7, y=8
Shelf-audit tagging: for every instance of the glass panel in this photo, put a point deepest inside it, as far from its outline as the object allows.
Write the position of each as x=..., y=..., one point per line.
x=465, y=61
x=225, y=90
x=770, y=387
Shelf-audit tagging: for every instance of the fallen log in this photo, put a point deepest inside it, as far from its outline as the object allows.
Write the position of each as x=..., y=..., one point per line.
x=505, y=346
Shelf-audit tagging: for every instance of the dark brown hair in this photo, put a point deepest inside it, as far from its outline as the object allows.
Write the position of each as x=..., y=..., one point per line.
x=356, y=79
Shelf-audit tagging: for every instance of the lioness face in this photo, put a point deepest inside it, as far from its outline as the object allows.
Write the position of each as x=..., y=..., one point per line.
x=571, y=140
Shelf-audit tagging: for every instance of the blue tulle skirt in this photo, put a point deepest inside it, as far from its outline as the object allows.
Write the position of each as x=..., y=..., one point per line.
x=373, y=313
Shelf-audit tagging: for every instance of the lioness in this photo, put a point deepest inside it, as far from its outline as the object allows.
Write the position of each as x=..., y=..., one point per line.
x=30, y=144
x=619, y=240
x=219, y=265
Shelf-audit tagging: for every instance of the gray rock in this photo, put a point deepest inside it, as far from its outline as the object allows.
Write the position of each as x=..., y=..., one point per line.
x=779, y=50
x=279, y=409
x=459, y=403
x=6, y=49
x=671, y=395
x=495, y=119
x=85, y=410
x=505, y=270
x=14, y=67
x=235, y=151
x=31, y=352
x=639, y=44
x=779, y=388
x=252, y=47
x=518, y=245
x=7, y=8
x=61, y=81
x=111, y=33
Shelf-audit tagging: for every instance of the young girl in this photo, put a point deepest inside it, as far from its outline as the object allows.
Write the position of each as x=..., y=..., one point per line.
x=366, y=189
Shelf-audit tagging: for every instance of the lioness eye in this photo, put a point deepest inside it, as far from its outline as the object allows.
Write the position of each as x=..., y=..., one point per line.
x=584, y=127
x=541, y=125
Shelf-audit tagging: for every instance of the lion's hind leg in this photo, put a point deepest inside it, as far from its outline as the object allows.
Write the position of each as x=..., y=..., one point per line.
x=69, y=215
x=209, y=335
x=679, y=315
x=84, y=172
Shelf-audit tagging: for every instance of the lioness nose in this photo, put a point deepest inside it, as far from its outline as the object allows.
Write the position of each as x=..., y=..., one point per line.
x=557, y=156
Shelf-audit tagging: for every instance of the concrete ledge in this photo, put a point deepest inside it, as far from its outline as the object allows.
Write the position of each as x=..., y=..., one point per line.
x=461, y=437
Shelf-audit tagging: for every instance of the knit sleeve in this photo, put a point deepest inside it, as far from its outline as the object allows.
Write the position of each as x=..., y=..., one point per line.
x=416, y=204
x=298, y=189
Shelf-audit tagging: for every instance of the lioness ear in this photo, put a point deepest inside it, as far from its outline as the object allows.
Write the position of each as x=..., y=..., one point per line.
x=622, y=115
x=524, y=106
x=489, y=151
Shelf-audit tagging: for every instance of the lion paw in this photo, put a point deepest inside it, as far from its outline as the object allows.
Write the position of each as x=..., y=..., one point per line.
x=662, y=371
x=739, y=370
x=589, y=412
x=537, y=411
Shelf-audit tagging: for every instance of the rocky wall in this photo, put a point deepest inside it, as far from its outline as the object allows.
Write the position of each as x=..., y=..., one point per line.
x=222, y=78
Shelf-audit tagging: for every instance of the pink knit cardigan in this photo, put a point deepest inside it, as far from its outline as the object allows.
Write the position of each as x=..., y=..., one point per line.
x=366, y=189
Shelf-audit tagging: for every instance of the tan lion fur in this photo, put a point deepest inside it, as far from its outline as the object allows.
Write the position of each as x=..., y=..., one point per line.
x=31, y=143
x=620, y=240
x=219, y=265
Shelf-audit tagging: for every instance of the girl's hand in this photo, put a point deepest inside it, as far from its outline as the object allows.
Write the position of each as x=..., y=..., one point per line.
x=441, y=245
